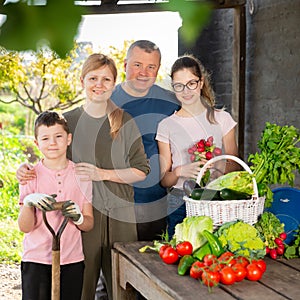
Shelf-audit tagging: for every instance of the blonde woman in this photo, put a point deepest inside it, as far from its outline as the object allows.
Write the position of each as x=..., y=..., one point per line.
x=108, y=150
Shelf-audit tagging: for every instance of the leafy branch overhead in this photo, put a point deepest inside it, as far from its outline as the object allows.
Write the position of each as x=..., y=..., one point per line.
x=195, y=15
x=27, y=27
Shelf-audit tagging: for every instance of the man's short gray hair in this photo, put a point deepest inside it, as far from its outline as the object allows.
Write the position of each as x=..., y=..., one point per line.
x=146, y=45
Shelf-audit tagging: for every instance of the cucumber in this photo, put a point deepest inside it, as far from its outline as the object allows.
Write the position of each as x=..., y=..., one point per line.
x=184, y=264
x=205, y=194
x=229, y=194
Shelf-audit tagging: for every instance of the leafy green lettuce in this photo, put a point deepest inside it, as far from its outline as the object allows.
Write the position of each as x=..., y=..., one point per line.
x=191, y=230
x=241, y=181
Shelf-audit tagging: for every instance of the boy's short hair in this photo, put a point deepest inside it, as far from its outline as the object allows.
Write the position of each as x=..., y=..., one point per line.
x=50, y=118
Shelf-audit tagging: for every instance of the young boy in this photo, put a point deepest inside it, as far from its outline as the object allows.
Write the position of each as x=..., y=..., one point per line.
x=55, y=175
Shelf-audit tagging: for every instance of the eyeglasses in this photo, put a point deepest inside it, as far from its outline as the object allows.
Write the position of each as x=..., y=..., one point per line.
x=191, y=85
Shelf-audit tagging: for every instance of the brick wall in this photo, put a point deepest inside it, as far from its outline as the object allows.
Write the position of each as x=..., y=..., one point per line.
x=272, y=64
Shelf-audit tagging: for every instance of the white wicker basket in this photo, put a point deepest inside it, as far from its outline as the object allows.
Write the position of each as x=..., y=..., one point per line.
x=226, y=210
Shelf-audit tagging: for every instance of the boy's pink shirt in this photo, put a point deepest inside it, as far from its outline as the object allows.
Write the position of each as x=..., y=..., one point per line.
x=37, y=244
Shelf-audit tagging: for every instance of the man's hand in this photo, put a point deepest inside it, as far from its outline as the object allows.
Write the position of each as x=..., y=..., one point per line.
x=43, y=202
x=72, y=211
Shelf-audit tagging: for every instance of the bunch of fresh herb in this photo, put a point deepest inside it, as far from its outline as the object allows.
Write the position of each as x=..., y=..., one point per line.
x=270, y=227
x=278, y=159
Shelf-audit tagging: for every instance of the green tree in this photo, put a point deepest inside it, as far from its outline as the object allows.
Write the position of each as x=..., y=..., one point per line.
x=41, y=80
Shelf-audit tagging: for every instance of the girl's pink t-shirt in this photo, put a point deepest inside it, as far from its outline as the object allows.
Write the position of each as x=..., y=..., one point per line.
x=182, y=132
x=37, y=244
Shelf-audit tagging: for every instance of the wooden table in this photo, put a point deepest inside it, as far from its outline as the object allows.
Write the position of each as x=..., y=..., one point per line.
x=155, y=280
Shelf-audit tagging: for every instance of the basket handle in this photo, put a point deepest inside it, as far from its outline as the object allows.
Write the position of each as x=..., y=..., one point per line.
x=227, y=156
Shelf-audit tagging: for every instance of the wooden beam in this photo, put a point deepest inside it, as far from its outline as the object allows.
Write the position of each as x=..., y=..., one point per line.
x=115, y=7
x=228, y=3
x=238, y=75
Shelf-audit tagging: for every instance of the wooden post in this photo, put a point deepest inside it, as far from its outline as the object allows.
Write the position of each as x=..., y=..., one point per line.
x=238, y=74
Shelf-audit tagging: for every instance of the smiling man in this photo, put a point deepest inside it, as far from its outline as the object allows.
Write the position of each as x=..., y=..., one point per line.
x=148, y=104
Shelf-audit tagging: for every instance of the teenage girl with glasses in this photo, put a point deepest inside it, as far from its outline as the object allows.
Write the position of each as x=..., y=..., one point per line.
x=196, y=119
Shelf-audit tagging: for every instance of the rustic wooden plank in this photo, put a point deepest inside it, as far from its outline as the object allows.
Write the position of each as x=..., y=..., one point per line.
x=165, y=276
x=294, y=263
x=282, y=279
x=252, y=290
x=119, y=293
x=129, y=273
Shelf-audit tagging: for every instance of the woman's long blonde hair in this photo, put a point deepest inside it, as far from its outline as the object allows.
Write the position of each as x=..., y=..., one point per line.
x=114, y=113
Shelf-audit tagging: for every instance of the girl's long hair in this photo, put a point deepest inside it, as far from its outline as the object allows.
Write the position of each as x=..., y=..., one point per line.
x=114, y=113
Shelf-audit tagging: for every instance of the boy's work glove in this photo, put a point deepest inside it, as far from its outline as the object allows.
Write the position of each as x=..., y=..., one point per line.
x=41, y=201
x=71, y=210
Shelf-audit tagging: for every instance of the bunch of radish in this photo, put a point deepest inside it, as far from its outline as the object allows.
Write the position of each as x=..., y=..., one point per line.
x=278, y=246
x=273, y=234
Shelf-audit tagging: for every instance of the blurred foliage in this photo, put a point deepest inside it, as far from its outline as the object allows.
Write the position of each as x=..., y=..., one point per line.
x=119, y=56
x=11, y=242
x=29, y=26
x=194, y=14
x=14, y=149
x=41, y=80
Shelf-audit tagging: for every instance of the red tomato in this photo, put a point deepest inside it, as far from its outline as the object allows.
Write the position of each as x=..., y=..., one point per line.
x=216, y=267
x=227, y=276
x=210, y=278
x=242, y=260
x=232, y=262
x=240, y=272
x=184, y=248
x=225, y=257
x=170, y=256
x=196, y=269
x=254, y=272
x=261, y=263
x=162, y=250
x=209, y=259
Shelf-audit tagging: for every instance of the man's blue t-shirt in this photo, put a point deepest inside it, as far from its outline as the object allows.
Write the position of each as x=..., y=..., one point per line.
x=147, y=112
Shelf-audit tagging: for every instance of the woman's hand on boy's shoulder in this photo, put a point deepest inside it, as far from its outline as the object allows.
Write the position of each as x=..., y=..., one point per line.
x=25, y=173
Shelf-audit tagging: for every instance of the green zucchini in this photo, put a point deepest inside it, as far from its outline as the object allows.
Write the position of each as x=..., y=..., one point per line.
x=205, y=194
x=229, y=194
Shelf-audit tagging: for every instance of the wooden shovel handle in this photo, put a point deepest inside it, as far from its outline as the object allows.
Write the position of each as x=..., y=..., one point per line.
x=58, y=205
